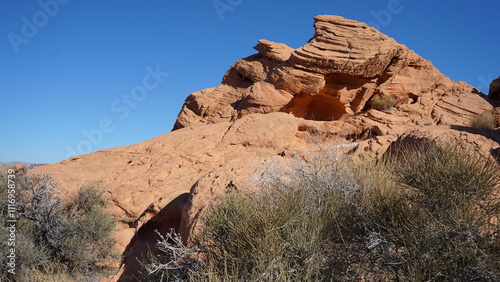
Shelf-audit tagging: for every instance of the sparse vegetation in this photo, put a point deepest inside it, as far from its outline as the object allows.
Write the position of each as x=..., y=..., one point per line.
x=452, y=225
x=430, y=213
x=57, y=240
x=484, y=121
x=383, y=103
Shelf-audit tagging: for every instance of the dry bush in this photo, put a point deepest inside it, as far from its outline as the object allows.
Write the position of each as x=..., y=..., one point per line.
x=383, y=103
x=484, y=121
x=177, y=262
x=57, y=238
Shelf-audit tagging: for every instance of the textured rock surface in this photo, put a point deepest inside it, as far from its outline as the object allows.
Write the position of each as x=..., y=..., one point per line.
x=265, y=110
x=333, y=77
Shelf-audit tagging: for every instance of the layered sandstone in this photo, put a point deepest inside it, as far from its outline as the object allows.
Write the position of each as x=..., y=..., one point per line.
x=333, y=77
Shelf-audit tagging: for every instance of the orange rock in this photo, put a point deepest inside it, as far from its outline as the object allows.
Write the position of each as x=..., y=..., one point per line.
x=333, y=77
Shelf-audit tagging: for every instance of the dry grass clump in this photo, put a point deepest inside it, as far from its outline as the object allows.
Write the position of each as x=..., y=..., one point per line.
x=383, y=103
x=452, y=231
x=484, y=121
x=430, y=214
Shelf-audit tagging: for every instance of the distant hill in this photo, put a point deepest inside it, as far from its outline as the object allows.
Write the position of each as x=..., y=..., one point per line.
x=29, y=165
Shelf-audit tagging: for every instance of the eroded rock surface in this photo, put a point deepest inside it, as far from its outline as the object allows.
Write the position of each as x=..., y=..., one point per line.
x=333, y=77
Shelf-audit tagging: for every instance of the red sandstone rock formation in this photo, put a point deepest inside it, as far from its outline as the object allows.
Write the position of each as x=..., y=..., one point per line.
x=263, y=112
x=333, y=77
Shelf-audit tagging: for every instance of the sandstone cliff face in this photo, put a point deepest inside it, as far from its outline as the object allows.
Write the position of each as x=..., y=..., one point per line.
x=264, y=111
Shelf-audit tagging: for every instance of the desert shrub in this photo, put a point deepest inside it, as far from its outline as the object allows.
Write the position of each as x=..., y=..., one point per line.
x=383, y=103
x=72, y=237
x=484, y=121
x=429, y=214
x=295, y=229
x=453, y=196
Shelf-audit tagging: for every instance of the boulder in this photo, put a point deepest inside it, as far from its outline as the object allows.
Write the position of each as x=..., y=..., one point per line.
x=495, y=89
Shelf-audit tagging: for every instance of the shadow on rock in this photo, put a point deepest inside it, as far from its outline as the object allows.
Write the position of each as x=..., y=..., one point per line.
x=145, y=239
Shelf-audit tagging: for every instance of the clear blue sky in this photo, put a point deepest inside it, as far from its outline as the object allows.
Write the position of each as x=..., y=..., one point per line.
x=68, y=66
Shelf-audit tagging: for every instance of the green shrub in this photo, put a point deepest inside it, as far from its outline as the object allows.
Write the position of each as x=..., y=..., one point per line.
x=484, y=121
x=383, y=103
x=72, y=237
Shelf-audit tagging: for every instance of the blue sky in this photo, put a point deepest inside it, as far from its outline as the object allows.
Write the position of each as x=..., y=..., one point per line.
x=80, y=76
